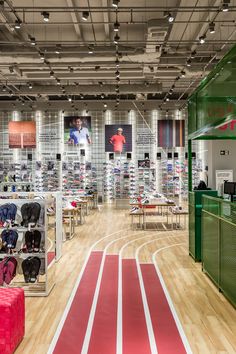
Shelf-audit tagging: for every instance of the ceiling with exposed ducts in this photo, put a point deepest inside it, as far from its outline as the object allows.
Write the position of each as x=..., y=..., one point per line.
x=132, y=50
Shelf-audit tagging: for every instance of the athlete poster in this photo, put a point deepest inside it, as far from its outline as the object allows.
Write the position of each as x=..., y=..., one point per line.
x=22, y=134
x=118, y=138
x=77, y=130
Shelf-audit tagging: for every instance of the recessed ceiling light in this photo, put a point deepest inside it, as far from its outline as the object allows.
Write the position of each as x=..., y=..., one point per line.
x=85, y=15
x=45, y=15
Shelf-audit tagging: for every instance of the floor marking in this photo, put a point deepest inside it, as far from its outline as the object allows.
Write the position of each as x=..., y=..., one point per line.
x=71, y=298
x=85, y=346
x=171, y=305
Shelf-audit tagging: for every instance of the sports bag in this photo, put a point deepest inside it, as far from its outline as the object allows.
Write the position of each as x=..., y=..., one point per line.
x=30, y=213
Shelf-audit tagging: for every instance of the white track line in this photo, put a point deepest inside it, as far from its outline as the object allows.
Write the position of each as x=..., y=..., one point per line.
x=171, y=305
x=145, y=304
x=71, y=298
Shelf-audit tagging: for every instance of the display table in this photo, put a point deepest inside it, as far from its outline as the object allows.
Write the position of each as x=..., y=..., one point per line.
x=162, y=210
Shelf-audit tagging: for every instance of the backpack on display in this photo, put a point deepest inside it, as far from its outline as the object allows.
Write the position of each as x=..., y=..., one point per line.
x=9, y=239
x=7, y=212
x=30, y=213
x=7, y=270
x=31, y=267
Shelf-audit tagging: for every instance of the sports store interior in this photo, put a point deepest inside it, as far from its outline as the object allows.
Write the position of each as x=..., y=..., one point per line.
x=117, y=176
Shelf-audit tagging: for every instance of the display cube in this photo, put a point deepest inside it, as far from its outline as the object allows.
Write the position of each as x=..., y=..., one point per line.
x=12, y=319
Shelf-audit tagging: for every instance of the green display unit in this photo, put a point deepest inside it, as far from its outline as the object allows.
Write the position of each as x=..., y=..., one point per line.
x=195, y=221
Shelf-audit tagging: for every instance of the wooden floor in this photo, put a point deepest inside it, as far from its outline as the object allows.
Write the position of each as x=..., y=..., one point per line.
x=207, y=317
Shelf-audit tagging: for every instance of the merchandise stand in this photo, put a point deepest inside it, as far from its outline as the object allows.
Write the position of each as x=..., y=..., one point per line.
x=36, y=279
x=212, y=113
x=57, y=218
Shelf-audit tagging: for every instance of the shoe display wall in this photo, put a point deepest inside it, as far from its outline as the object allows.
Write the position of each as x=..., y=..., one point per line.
x=47, y=176
x=16, y=177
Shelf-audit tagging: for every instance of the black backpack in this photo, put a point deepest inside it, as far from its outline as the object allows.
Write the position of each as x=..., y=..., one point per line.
x=30, y=213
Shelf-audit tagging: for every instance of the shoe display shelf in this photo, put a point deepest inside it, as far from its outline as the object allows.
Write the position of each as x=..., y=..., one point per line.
x=47, y=176
x=108, y=181
x=29, y=245
x=78, y=175
x=15, y=176
x=146, y=179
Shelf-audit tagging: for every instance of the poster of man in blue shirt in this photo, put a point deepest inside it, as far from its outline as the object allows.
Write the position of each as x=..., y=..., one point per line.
x=77, y=130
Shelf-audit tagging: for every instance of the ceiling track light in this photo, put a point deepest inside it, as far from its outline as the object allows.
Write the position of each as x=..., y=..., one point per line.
x=71, y=70
x=58, y=82
x=102, y=95
x=69, y=99
x=167, y=99
x=170, y=17
x=202, y=39
x=188, y=63
x=90, y=50
x=85, y=15
x=193, y=54
x=225, y=5
x=118, y=79
x=58, y=49
x=45, y=15
x=51, y=73
x=117, y=62
x=105, y=105
x=42, y=56
x=212, y=27
x=115, y=3
x=117, y=73
x=182, y=73
x=18, y=24
x=116, y=38
x=116, y=26
x=32, y=40
x=30, y=86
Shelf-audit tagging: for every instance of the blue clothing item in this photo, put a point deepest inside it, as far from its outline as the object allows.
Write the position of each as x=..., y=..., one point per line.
x=79, y=136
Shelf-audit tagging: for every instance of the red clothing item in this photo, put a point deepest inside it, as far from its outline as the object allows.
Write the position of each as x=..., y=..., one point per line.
x=117, y=141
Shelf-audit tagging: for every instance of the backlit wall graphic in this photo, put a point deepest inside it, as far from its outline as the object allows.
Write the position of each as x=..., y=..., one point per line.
x=171, y=133
x=22, y=134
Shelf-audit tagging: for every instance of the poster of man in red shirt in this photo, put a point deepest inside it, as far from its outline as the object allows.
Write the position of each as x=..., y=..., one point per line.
x=118, y=138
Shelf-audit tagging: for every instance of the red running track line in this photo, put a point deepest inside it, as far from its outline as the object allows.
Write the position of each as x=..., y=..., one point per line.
x=72, y=335
x=103, y=336
x=167, y=336
x=135, y=334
